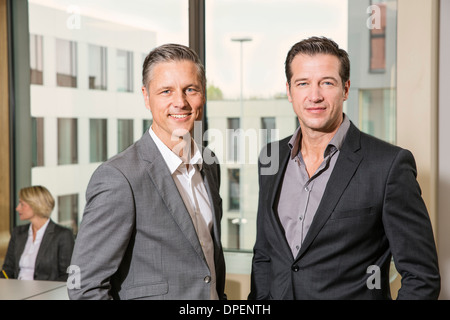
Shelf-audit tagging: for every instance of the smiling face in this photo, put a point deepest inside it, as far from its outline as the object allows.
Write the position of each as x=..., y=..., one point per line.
x=175, y=96
x=317, y=93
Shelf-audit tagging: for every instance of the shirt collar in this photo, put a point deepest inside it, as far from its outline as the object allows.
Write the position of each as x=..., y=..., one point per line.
x=336, y=141
x=172, y=160
x=40, y=232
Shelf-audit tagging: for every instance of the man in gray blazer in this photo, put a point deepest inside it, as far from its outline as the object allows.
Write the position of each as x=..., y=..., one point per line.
x=151, y=226
x=342, y=203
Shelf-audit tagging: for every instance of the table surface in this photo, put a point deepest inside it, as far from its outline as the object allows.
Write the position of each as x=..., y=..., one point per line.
x=13, y=289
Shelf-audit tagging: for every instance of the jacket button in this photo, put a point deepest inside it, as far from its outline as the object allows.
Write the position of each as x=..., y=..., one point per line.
x=295, y=268
x=207, y=279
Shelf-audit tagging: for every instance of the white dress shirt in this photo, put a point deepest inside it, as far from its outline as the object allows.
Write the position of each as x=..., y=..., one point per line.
x=28, y=259
x=189, y=182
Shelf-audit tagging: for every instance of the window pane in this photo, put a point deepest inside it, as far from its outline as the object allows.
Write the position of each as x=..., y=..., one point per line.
x=97, y=67
x=36, y=59
x=98, y=145
x=245, y=57
x=378, y=113
x=378, y=37
x=67, y=141
x=268, y=127
x=233, y=189
x=124, y=134
x=66, y=63
x=146, y=124
x=233, y=234
x=124, y=71
x=38, y=141
x=372, y=100
x=233, y=139
x=68, y=211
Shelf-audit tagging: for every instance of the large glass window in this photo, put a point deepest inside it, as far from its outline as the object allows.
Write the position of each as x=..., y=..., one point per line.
x=246, y=45
x=96, y=49
x=92, y=44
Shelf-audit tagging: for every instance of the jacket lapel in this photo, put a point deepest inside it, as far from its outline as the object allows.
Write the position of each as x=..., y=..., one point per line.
x=214, y=198
x=21, y=241
x=343, y=172
x=276, y=181
x=160, y=175
x=46, y=241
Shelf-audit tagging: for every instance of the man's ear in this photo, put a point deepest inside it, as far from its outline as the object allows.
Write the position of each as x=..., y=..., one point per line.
x=145, y=94
x=288, y=91
x=346, y=90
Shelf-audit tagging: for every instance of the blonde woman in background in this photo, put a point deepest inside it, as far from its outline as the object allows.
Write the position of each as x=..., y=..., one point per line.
x=42, y=249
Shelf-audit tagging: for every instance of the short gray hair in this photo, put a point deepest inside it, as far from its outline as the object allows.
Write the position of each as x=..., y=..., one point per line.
x=168, y=53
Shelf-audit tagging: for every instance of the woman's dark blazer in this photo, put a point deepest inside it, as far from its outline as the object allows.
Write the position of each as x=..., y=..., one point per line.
x=53, y=256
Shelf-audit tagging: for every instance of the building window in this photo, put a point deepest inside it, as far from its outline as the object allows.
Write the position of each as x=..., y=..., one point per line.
x=378, y=38
x=36, y=59
x=377, y=112
x=98, y=140
x=97, y=67
x=68, y=211
x=66, y=63
x=125, y=134
x=124, y=71
x=234, y=196
x=233, y=139
x=146, y=124
x=38, y=142
x=67, y=141
x=268, y=126
x=233, y=233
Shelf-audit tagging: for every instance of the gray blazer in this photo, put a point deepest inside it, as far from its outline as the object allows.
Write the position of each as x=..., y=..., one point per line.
x=53, y=256
x=137, y=239
x=371, y=210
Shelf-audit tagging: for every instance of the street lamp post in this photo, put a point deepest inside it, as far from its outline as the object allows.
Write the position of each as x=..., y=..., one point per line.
x=241, y=140
x=241, y=41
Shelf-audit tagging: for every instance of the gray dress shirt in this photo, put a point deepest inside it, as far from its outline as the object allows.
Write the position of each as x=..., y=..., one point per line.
x=300, y=194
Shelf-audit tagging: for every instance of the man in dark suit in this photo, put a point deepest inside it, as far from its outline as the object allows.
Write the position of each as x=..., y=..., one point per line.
x=151, y=226
x=342, y=203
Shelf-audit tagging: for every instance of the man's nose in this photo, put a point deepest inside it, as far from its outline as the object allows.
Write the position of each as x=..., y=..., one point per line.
x=315, y=94
x=179, y=99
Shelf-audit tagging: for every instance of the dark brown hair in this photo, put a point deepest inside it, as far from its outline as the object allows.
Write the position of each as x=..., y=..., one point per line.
x=318, y=45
